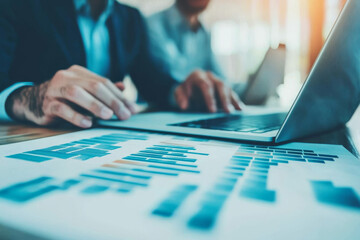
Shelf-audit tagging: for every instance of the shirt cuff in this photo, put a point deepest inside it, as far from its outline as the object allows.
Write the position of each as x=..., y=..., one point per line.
x=172, y=99
x=5, y=94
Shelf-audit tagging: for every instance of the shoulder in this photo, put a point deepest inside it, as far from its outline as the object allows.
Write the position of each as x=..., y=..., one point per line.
x=157, y=22
x=158, y=17
x=127, y=12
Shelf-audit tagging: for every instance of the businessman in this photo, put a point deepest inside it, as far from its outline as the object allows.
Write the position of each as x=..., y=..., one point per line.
x=57, y=59
x=178, y=34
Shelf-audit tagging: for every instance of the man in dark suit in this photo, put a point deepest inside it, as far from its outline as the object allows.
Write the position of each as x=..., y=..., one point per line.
x=56, y=59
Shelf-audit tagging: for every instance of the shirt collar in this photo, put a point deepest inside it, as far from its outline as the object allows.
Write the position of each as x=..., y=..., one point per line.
x=177, y=19
x=82, y=6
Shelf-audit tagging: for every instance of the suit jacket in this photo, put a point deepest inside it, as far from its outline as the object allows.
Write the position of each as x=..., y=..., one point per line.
x=40, y=37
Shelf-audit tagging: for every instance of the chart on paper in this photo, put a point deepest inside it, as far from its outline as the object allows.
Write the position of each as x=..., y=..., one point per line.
x=193, y=183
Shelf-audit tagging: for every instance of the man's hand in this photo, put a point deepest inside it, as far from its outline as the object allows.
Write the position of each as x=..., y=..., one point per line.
x=61, y=97
x=204, y=88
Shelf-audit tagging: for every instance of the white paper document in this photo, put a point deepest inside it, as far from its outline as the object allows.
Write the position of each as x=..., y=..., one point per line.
x=119, y=184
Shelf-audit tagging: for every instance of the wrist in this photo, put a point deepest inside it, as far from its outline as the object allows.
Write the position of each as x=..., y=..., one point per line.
x=15, y=105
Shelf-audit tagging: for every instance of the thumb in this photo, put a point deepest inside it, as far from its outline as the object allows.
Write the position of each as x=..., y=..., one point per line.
x=120, y=85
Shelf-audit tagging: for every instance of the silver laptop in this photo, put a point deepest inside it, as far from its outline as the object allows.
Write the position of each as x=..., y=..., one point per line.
x=264, y=82
x=327, y=99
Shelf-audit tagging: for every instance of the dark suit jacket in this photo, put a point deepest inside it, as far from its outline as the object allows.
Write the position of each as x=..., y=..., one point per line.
x=40, y=37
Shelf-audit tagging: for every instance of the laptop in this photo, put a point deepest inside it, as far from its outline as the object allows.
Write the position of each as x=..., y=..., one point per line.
x=327, y=99
x=264, y=82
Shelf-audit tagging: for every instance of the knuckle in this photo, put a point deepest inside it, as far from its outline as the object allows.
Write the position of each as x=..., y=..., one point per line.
x=197, y=72
x=75, y=67
x=74, y=118
x=205, y=84
x=104, y=80
x=95, y=107
x=56, y=108
x=115, y=104
x=61, y=74
x=95, y=86
x=69, y=91
x=220, y=84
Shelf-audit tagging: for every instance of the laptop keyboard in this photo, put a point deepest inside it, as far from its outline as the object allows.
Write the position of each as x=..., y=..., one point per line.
x=239, y=123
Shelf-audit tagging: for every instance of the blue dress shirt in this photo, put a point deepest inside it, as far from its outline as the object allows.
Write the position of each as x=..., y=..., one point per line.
x=183, y=49
x=96, y=42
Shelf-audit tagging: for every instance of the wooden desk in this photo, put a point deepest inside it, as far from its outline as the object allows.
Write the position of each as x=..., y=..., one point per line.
x=348, y=136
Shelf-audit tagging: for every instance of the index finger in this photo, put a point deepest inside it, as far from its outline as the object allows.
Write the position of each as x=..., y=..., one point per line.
x=222, y=92
x=207, y=90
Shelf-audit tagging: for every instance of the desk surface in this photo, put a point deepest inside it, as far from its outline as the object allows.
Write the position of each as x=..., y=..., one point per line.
x=348, y=136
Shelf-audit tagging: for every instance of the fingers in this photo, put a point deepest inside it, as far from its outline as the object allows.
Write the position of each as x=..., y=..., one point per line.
x=236, y=102
x=120, y=85
x=63, y=111
x=207, y=90
x=223, y=93
x=82, y=98
x=101, y=92
x=117, y=92
x=106, y=92
x=182, y=99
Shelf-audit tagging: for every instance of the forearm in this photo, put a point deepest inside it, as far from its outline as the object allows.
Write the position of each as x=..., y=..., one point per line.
x=26, y=103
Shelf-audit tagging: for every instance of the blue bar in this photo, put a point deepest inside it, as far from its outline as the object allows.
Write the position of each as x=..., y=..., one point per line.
x=327, y=155
x=99, y=140
x=150, y=160
x=242, y=157
x=289, y=158
x=114, y=180
x=84, y=157
x=135, y=158
x=107, y=147
x=287, y=155
x=176, y=150
x=279, y=161
x=52, y=154
x=240, y=161
x=69, y=149
x=164, y=158
x=241, y=164
x=84, y=142
x=316, y=161
x=163, y=153
x=19, y=192
x=127, y=136
x=204, y=219
x=174, y=169
x=155, y=172
x=31, y=158
x=238, y=174
x=166, y=209
x=236, y=168
x=123, y=174
x=168, y=149
x=260, y=166
x=95, y=189
x=259, y=170
x=264, y=163
x=320, y=158
x=109, y=139
x=91, y=152
x=177, y=147
x=260, y=194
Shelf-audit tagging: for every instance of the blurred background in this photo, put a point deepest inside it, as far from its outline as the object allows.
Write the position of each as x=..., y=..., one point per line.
x=243, y=30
